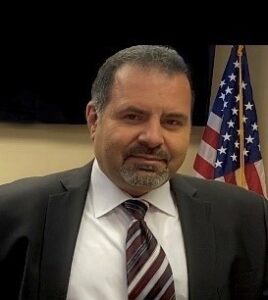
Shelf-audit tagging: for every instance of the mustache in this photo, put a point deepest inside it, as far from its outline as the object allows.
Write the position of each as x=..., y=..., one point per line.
x=140, y=150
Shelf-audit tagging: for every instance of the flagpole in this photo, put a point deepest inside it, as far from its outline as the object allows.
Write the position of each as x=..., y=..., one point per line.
x=242, y=181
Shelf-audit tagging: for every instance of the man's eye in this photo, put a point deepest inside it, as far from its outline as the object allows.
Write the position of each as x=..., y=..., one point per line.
x=132, y=117
x=172, y=122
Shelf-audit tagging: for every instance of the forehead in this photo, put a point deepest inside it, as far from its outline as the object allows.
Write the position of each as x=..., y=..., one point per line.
x=140, y=84
x=132, y=73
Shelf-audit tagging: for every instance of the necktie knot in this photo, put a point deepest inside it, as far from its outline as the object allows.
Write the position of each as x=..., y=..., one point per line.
x=136, y=208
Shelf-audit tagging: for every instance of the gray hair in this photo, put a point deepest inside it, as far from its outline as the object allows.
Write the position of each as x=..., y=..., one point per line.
x=163, y=58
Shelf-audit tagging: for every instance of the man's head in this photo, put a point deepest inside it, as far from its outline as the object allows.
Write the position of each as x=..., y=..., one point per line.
x=139, y=117
x=160, y=57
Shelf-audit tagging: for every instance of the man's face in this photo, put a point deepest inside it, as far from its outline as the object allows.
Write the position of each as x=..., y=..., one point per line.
x=142, y=136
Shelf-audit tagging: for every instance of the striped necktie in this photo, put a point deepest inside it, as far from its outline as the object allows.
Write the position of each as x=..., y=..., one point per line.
x=149, y=274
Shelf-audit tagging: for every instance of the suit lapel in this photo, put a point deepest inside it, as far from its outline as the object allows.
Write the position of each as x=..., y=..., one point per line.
x=199, y=238
x=63, y=218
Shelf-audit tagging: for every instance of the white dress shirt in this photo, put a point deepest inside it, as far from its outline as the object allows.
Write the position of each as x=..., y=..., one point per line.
x=98, y=269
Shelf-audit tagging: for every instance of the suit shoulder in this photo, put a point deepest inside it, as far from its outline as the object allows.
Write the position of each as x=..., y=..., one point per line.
x=25, y=201
x=28, y=184
x=38, y=185
x=217, y=191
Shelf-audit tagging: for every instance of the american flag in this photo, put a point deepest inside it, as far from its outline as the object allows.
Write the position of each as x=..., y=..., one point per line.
x=230, y=145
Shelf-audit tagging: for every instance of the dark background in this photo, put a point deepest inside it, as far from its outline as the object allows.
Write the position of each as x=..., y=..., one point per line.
x=46, y=75
x=49, y=52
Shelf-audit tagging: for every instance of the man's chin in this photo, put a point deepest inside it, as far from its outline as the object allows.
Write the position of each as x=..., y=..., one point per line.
x=144, y=177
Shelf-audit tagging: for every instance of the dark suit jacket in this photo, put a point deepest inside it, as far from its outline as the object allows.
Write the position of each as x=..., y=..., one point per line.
x=224, y=228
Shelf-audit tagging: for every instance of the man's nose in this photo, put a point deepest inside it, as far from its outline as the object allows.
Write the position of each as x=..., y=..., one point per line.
x=152, y=134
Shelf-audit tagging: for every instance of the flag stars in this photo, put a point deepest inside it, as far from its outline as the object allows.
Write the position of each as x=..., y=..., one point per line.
x=226, y=136
x=249, y=139
x=234, y=111
x=245, y=119
x=234, y=157
x=225, y=104
x=218, y=164
x=237, y=98
x=236, y=64
x=232, y=77
x=245, y=152
x=244, y=85
x=222, y=96
x=231, y=123
x=248, y=106
x=228, y=90
x=222, y=84
x=254, y=126
x=222, y=150
x=236, y=144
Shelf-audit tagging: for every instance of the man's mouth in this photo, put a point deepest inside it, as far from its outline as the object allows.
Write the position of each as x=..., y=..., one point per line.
x=146, y=161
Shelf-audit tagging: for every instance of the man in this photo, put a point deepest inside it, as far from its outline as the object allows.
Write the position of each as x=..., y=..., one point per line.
x=63, y=236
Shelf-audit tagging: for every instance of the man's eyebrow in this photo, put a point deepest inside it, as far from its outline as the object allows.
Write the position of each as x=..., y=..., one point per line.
x=133, y=109
x=177, y=115
x=137, y=110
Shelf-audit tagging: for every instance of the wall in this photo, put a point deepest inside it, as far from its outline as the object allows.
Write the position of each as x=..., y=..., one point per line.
x=27, y=150
x=38, y=149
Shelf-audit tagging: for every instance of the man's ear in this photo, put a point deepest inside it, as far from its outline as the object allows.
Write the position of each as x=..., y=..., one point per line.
x=92, y=118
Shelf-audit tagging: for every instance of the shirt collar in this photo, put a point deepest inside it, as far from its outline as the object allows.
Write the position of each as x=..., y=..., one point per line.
x=106, y=195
